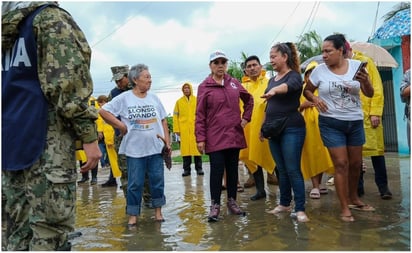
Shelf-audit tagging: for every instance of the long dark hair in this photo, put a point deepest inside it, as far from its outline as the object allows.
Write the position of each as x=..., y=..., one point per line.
x=289, y=49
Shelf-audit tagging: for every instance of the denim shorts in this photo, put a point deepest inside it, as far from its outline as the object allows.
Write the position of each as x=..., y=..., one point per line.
x=339, y=133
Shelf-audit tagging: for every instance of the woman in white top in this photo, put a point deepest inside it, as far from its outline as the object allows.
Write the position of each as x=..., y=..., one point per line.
x=341, y=118
x=143, y=117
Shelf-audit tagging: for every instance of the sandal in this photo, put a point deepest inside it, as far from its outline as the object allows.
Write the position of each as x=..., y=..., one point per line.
x=362, y=207
x=347, y=218
x=280, y=209
x=323, y=190
x=314, y=193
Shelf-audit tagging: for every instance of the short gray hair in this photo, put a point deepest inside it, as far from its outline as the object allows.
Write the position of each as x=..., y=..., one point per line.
x=135, y=72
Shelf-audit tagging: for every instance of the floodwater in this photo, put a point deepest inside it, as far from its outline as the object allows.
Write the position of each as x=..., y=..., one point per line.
x=102, y=221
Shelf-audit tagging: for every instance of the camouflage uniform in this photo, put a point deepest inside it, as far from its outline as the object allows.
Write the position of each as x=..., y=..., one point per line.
x=118, y=73
x=41, y=199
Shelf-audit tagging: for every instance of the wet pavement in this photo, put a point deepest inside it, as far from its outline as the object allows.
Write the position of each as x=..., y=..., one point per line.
x=102, y=220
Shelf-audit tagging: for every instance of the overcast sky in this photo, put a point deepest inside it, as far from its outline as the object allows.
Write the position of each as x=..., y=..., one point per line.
x=175, y=39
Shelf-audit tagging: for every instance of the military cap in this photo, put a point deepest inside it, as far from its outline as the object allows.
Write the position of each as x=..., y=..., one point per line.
x=119, y=72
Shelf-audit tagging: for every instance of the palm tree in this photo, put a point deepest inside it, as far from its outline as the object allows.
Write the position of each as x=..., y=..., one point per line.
x=397, y=8
x=309, y=44
x=235, y=69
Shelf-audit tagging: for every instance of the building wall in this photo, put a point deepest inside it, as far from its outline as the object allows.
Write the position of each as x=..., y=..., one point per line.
x=399, y=48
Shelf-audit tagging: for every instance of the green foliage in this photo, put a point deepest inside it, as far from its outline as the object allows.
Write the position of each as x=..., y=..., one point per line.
x=309, y=44
x=169, y=119
x=179, y=159
x=235, y=70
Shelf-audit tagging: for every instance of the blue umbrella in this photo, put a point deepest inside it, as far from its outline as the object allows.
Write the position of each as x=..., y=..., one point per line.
x=398, y=25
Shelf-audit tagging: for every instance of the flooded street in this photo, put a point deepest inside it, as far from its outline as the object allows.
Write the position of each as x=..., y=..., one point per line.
x=102, y=220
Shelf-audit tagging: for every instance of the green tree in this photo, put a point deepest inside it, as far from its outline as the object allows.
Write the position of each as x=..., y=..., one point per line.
x=397, y=8
x=169, y=119
x=235, y=69
x=309, y=44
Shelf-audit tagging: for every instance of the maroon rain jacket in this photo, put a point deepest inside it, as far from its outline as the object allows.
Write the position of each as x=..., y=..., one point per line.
x=218, y=114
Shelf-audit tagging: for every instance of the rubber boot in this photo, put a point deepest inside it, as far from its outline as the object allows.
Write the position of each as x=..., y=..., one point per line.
x=187, y=160
x=260, y=185
x=198, y=166
x=94, y=175
x=381, y=177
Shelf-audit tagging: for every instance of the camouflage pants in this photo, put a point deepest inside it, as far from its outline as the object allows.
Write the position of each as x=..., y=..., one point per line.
x=123, y=169
x=41, y=214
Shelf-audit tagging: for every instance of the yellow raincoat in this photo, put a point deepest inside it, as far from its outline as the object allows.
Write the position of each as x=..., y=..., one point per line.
x=315, y=156
x=184, y=115
x=257, y=152
x=374, y=145
x=108, y=133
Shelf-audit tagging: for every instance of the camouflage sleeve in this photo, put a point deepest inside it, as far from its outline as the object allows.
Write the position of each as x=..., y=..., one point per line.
x=63, y=66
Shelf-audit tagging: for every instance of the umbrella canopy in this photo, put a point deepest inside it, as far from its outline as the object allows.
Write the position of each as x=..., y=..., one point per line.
x=316, y=58
x=379, y=55
x=398, y=25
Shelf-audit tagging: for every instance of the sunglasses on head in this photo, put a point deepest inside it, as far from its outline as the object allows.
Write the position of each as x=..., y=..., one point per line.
x=216, y=62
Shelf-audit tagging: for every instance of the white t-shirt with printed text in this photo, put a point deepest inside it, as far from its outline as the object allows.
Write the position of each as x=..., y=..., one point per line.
x=339, y=92
x=143, y=118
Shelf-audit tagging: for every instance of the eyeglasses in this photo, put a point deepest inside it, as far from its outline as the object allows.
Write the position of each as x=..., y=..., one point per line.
x=217, y=62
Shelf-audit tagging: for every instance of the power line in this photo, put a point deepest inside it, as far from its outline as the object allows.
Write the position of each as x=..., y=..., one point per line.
x=115, y=30
x=314, y=15
x=308, y=19
x=284, y=25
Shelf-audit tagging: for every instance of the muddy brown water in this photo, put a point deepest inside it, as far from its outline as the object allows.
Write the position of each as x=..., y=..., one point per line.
x=102, y=221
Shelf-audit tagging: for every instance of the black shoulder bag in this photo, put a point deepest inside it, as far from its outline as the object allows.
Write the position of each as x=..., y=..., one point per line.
x=273, y=128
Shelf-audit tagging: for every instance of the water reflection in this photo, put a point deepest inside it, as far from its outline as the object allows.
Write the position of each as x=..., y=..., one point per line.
x=102, y=220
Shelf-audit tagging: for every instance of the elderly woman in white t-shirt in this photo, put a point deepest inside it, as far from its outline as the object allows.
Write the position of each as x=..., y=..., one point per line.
x=142, y=118
x=341, y=118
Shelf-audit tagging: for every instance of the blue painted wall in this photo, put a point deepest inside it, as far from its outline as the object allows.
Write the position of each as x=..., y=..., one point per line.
x=393, y=45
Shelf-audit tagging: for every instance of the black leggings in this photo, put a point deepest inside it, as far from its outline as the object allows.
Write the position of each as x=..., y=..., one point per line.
x=219, y=161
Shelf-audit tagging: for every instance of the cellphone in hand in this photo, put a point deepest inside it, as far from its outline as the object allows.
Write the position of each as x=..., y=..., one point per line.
x=361, y=66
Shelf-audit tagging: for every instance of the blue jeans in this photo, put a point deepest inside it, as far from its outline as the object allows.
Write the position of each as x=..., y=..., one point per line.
x=104, y=160
x=286, y=151
x=340, y=133
x=136, y=170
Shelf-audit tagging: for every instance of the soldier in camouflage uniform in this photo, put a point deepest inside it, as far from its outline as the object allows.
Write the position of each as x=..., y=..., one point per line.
x=122, y=84
x=46, y=85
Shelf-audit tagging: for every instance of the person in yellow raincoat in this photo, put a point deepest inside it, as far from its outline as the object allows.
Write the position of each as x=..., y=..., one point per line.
x=81, y=155
x=372, y=122
x=257, y=154
x=315, y=156
x=108, y=133
x=184, y=114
